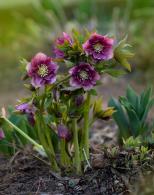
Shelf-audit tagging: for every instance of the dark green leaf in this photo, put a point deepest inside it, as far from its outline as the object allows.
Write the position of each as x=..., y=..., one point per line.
x=120, y=118
x=93, y=92
x=114, y=73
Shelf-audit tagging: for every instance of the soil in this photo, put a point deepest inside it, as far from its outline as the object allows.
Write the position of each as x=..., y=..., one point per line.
x=24, y=174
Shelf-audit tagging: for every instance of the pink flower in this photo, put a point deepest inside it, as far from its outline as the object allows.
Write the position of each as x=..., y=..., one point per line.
x=99, y=47
x=42, y=70
x=64, y=41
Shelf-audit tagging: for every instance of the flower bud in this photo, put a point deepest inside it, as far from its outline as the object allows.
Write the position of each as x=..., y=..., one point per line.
x=29, y=110
x=106, y=114
x=63, y=132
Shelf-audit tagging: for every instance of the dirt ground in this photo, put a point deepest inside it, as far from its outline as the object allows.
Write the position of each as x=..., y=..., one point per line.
x=24, y=174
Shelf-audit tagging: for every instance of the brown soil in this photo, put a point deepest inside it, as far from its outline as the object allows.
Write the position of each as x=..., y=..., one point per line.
x=24, y=174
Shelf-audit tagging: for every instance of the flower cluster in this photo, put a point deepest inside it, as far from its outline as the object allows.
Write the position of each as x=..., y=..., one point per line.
x=42, y=69
x=59, y=106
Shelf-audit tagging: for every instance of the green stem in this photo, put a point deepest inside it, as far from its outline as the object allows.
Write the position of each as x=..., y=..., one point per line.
x=53, y=156
x=59, y=82
x=77, y=160
x=65, y=161
x=45, y=139
x=44, y=134
x=23, y=134
x=85, y=138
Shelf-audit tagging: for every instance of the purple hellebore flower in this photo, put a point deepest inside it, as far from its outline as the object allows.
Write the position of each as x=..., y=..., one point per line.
x=2, y=135
x=99, y=47
x=83, y=75
x=42, y=70
x=59, y=54
x=63, y=132
x=29, y=110
x=65, y=39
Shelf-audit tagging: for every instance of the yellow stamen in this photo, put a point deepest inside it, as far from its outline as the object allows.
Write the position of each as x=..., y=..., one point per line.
x=43, y=70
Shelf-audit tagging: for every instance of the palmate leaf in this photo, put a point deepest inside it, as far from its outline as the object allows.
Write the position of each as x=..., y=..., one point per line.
x=122, y=54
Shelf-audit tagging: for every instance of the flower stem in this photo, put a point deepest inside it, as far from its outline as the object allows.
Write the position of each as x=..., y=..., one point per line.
x=85, y=138
x=23, y=134
x=65, y=161
x=45, y=140
x=77, y=160
x=53, y=156
x=59, y=82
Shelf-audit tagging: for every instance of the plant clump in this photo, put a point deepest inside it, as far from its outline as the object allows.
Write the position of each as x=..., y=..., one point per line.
x=60, y=103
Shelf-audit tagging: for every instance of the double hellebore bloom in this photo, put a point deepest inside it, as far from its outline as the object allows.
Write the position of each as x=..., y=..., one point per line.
x=42, y=70
x=63, y=132
x=2, y=136
x=84, y=76
x=29, y=110
x=99, y=47
x=65, y=41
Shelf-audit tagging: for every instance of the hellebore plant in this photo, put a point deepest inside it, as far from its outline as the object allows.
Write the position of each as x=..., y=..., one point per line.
x=60, y=104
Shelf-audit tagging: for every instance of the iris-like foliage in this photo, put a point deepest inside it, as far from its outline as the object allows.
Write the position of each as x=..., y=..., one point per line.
x=132, y=112
x=60, y=104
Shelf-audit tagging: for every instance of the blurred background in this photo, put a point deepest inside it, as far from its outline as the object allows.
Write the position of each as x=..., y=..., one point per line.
x=30, y=26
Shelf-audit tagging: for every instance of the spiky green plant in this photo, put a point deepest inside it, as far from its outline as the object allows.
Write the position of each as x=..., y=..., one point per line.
x=132, y=113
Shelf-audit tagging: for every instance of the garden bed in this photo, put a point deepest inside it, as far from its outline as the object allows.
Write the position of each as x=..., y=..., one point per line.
x=24, y=174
